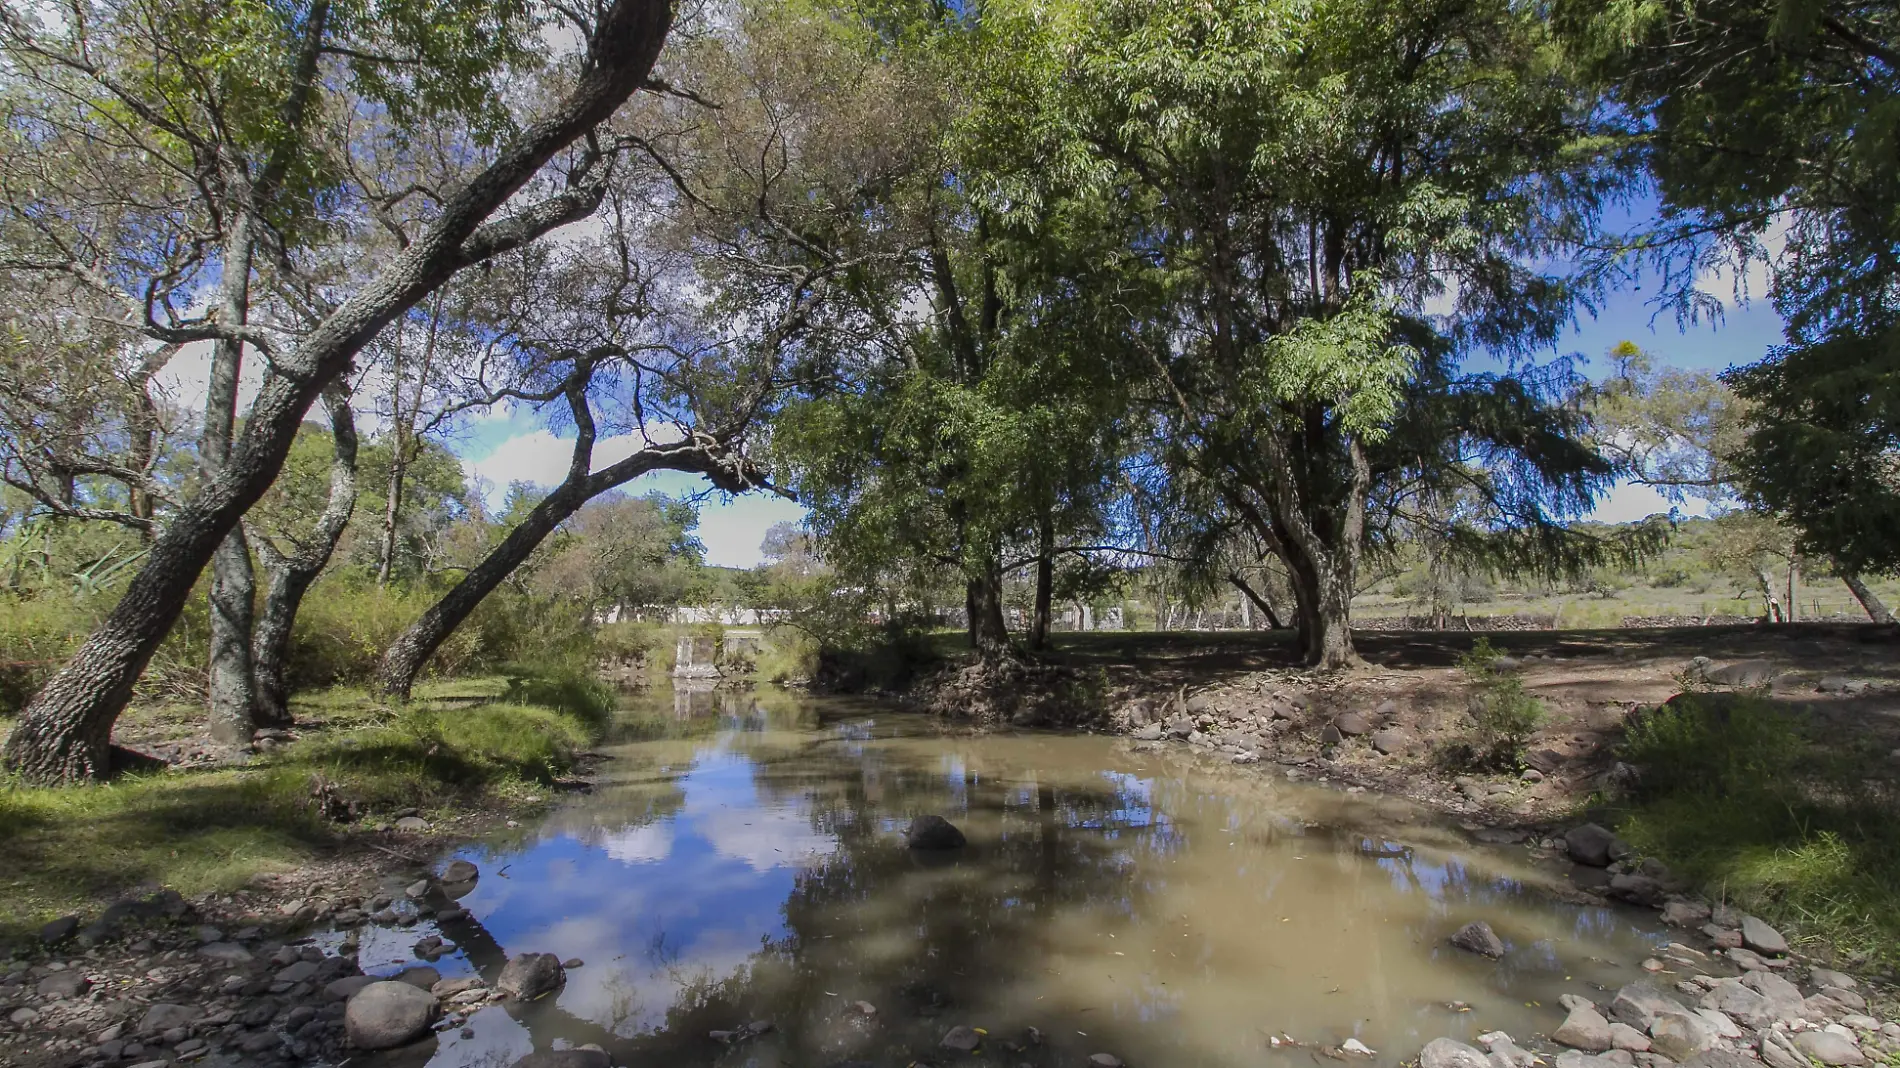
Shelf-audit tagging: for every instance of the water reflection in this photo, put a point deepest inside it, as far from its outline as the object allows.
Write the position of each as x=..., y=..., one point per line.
x=745, y=862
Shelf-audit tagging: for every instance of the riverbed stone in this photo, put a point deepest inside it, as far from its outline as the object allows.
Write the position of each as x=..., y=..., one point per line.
x=1639, y=1003
x=1684, y=913
x=530, y=975
x=1637, y=889
x=1450, y=1053
x=59, y=930
x=460, y=871
x=1572, y=1058
x=225, y=953
x=163, y=1016
x=1331, y=735
x=1744, y=673
x=298, y=972
x=1731, y=998
x=1680, y=1035
x=1352, y=724
x=1623, y=1036
x=1829, y=1048
x=412, y=825
x=1719, y=1058
x=388, y=1014
x=933, y=832
x=1776, y=989
x=1592, y=845
x=565, y=1058
x=1392, y=741
x=346, y=988
x=962, y=1038
x=67, y=984
x=1719, y=1023
x=1150, y=733
x=1109, y=1060
x=1761, y=938
x=1585, y=1029
x=1479, y=938
x=1828, y=978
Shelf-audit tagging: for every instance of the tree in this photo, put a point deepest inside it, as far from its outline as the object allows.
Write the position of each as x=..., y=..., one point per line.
x=64, y=734
x=1295, y=184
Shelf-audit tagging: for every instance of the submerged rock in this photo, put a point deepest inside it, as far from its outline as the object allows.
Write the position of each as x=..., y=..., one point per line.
x=962, y=1038
x=933, y=832
x=530, y=975
x=1479, y=938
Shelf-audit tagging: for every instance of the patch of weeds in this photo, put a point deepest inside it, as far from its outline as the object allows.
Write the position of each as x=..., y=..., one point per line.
x=1503, y=715
x=1738, y=793
x=577, y=693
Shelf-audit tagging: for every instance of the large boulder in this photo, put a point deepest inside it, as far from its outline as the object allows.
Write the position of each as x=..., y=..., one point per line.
x=1680, y=1035
x=388, y=1014
x=933, y=832
x=1730, y=998
x=1744, y=674
x=1762, y=938
x=1479, y=938
x=1829, y=1048
x=530, y=975
x=1593, y=845
x=1352, y=724
x=1450, y=1053
x=460, y=871
x=1639, y=1003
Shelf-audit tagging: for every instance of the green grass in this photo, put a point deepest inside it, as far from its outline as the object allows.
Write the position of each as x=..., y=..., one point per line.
x=66, y=849
x=1744, y=798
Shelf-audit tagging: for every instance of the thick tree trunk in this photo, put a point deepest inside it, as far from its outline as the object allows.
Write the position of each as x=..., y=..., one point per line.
x=231, y=696
x=406, y=657
x=1768, y=597
x=989, y=635
x=1045, y=585
x=1876, y=608
x=64, y=734
x=292, y=573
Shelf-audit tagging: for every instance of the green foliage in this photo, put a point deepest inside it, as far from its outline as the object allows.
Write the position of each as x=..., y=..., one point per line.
x=1503, y=715
x=575, y=693
x=1745, y=797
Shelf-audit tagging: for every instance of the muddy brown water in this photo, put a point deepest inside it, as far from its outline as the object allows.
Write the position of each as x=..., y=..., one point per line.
x=742, y=859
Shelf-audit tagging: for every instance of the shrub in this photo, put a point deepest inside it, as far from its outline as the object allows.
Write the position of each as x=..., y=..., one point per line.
x=1503, y=715
x=574, y=693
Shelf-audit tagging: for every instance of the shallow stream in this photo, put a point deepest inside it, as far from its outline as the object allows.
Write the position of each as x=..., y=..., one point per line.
x=742, y=859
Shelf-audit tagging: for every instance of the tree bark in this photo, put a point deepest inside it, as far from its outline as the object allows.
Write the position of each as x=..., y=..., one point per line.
x=1876, y=608
x=407, y=656
x=290, y=574
x=231, y=696
x=1045, y=584
x=1768, y=594
x=989, y=635
x=64, y=734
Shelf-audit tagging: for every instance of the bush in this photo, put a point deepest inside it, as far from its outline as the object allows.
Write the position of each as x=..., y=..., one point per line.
x=1503, y=716
x=1736, y=793
x=574, y=693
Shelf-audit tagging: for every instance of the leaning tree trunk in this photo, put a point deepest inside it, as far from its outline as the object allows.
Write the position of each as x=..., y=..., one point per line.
x=406, y=656
x=1876, y=608
x=65, y=734
x=1260, y=602
x=1773, y=602
x=231, y=694
x=290, y=574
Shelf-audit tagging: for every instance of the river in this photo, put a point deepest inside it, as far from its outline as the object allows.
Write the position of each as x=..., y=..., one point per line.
x=742, y=859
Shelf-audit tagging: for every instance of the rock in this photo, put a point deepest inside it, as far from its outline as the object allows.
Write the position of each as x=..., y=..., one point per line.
x=24, y=1015
x=1531, y=775
x=962, y=1038
x=1637, y=890
x=1762, y=938
x=1829, y=1048
x=460, y=871
x=572, y=963
x=1149, y=733
x=1573, y=1002
x=530, y=975
x=1571, y=1058
x=1746, y=673
x=933, y=833
x=1719, y=1058
x=1719, y=1023
x=385, y=1015
x=1623, y=1036
x=1352, y=1046
x=1480, y=939
x=59, y=930
x=1504, y=1052
x=1592, y=845
x=1680, y=1035
x=1585, y=1029
x=161, y=1017
x=1826, y=979
x=1392, y=741
x=1639, y=1003
x=67, y=984
x=1723, y=937
x=1843, y=1000
x=565, y=1058
x=1450, y=1053
x=1859, y=1022
x=448, y=988
x=1778, y=1051
x=1109, y=1060
x=1774, y=988
x=298, y=972
x=412, y=825
x=1352, y=724
x=225, y=953
x=1331, y=735
x=421, y=977
x=1731, y=998
x=346, y=988
x=1683, y=913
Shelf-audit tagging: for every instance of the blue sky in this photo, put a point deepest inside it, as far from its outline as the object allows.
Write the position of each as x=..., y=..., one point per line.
x=516, y=445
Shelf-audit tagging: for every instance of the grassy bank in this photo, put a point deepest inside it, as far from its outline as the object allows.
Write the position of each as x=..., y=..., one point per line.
x=67, y=849
x=1792, y=820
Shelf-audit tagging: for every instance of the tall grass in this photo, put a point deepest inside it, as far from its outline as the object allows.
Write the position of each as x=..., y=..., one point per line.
x=1746, y=798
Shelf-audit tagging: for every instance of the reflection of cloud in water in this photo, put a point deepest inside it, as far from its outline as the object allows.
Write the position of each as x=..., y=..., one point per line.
x=639, y=845
x=723, y=806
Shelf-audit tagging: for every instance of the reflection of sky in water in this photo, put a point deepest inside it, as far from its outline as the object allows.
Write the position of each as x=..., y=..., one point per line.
x=648, y=907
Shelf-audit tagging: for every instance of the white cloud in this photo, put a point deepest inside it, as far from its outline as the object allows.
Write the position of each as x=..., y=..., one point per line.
x=1628, y=503
x=1721, y=281
x=764, y=838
